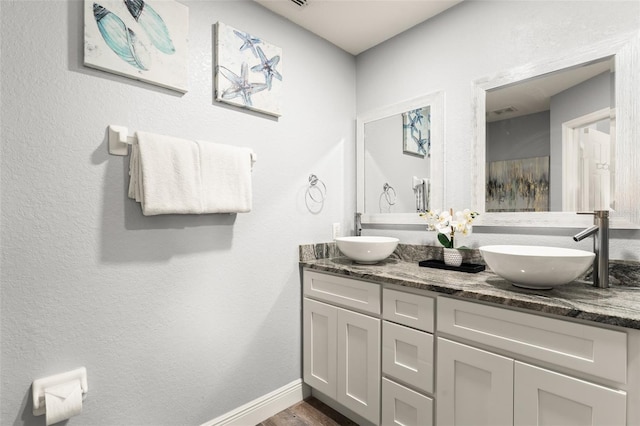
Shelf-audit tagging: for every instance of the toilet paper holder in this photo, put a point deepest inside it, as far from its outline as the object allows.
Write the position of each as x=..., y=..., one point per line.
x=40, y=385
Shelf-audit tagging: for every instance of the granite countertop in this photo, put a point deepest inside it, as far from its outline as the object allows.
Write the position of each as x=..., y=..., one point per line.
x=618, y=305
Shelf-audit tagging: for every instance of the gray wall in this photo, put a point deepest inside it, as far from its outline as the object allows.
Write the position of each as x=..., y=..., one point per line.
x=480, y=39
x=521, y=137
x=178, y=319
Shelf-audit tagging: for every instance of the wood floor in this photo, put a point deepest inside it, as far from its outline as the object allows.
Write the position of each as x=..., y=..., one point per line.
x=309, y=412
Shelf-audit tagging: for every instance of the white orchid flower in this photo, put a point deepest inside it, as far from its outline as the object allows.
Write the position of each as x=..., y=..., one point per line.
x=449, y=224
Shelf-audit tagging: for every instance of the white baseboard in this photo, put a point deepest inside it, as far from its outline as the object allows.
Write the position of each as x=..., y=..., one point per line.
x=264, y=407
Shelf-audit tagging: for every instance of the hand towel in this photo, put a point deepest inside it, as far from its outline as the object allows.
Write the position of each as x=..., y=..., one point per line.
x=134, y=173
x=166, y=175
x=226, y=177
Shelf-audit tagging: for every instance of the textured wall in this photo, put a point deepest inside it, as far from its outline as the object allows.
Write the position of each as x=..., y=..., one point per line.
x=474, y=40
x=178, y=319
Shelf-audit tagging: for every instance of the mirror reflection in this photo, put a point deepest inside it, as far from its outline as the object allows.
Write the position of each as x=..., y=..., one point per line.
x=550, y=142
x=400, y=161
x=397, y=153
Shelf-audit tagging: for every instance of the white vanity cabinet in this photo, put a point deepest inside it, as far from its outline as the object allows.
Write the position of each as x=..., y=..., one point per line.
x=341, y=347
x=373, y=355
x=390, y=355
x=484, y=387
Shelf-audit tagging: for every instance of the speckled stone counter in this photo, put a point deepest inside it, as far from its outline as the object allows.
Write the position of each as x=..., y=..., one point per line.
x=618, y=305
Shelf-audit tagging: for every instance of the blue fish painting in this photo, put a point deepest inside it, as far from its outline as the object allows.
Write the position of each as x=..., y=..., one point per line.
x=121, y=39
x=152, y=24
x=146, y=40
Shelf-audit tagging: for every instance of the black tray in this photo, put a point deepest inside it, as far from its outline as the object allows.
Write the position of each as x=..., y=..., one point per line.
x=465, y=267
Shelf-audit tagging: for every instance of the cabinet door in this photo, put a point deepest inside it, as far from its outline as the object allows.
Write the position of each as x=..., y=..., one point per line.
x=402, y=406
x=319, y=346
x=359, y=364
x=474, y=387
x=544, y=397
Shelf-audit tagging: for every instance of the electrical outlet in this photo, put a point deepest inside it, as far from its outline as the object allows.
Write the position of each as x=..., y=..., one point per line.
x=336, y=230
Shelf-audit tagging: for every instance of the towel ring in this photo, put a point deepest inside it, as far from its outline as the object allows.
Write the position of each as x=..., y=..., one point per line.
x=386, y=191
x=321, y=193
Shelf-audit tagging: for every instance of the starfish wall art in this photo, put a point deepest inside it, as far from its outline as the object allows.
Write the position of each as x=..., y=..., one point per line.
x=248, y=71
x=416, y=127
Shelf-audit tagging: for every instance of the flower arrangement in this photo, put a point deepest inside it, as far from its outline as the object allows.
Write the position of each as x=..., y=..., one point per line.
x=448, y=225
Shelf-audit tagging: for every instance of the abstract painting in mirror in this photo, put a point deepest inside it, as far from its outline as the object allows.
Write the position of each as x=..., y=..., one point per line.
x=520, y=185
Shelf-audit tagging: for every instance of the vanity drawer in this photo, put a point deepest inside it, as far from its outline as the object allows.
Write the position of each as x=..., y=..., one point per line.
x=407, y=355
x=404, y=407
x=409, y=309
x=359, y=295
x=592, y=350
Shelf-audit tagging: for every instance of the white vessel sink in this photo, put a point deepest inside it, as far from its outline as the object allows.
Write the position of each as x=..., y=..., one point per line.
x=537, y=267
x=367, y=250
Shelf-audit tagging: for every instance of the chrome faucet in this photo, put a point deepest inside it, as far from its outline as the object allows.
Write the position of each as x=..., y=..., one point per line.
x=600, y=232
x=357, y=224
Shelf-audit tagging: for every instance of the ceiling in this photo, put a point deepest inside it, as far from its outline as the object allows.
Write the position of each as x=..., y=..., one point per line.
x=357, y=25
x=534, y=95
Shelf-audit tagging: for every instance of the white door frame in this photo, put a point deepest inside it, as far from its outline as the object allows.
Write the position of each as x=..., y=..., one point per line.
x=570, y=151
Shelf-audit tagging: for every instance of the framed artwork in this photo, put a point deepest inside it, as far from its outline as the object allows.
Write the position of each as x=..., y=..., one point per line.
x=518, y=185
x=416, y=132
x=248, y=71
x=143, y=40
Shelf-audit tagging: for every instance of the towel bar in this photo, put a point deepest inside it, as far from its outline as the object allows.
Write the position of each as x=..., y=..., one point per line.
x=119, y=140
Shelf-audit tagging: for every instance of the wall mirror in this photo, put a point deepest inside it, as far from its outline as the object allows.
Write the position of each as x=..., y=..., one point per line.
x=550, y=142
x=559, y=137
x=400, y=160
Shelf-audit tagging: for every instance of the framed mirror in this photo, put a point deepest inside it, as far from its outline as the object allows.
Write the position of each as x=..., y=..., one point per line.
x=399, y=152
x=559, y=137
x=550, y=141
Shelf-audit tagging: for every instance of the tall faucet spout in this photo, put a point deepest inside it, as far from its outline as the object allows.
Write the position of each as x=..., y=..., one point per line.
x=586, y=233
x=600, y=232
x=357, y=224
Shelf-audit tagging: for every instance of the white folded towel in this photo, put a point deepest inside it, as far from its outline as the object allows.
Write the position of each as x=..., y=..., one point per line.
x=226, y=178
x=169, y=175
x=178, y=176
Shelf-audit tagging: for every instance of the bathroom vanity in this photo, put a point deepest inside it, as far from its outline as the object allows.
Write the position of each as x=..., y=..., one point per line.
x=396, y=343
